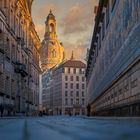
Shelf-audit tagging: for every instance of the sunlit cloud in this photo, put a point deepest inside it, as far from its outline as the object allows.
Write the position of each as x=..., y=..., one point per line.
x=44, y=10
x=75, y=22
x=79, y=18
x=79, y=48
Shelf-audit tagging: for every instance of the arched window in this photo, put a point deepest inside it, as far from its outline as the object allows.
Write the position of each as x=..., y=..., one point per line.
x=54, y=53
x=51, y=28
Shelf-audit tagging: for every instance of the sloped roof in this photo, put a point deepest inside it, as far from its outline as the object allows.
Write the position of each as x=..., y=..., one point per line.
x=73, y=63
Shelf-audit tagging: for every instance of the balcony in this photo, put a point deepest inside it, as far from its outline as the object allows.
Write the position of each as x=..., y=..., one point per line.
x=21, y=68
x=77, y=105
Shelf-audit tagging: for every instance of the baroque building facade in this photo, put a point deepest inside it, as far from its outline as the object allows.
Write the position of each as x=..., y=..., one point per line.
x=65, y=92
x=52, y=50
x=19, y=58
x=113, y=69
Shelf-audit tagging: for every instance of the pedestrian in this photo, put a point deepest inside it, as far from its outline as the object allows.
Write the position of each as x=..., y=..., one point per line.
x=1, y=110
x=70, y=113
x=88, y=110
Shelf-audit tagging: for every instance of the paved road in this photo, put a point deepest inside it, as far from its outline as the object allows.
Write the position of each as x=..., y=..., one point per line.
x=69, y=128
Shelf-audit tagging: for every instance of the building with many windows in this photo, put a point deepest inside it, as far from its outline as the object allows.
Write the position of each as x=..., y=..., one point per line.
x=66, y=92
x=19, y=58
x=113, y=69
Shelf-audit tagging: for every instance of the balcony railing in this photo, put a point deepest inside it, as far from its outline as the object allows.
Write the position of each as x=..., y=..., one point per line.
x=77, y=105
x=21, y=68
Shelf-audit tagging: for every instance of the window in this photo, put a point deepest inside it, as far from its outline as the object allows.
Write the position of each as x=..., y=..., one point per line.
x=126, y=87
x=51, y=28
x=120, y=91
x=66, y=85
x=7, y=85
x=63, y=70
x=71, y=78
x=66, y=101
x=66, y=93
x=83, y=86
x=77, y=86
x=66, y=78
x=71, y=93
x=77, y=78
x=77, y=93
x=71, y=101
x=74, y=70
x=115, y=94
x=83, y=71
x=83, y=101
x=77, y=101
x=54, y=53
x=71, y=85
x=80, y=71
x=108, y=98
x=68, y=70
x=83, y=79
x=134, y=83
x=25, y=61
x=83, y=94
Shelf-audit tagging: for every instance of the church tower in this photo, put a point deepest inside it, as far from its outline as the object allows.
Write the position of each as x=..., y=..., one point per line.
x=52, y=50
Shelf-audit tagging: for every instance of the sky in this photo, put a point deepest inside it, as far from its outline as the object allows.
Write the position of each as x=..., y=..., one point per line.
x=75, y=23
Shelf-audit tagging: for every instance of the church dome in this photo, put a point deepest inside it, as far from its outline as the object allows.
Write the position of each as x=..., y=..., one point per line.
x=52, y=50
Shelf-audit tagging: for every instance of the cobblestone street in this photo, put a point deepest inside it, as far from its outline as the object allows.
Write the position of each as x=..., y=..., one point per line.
x=69, y=128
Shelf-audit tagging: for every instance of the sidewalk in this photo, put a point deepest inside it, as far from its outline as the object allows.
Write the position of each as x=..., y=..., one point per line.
x=12, y=117
x=110, y=118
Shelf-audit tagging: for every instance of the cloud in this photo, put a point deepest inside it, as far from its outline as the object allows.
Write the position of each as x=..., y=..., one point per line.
x=44, y=10
x=78, y=23
x=79, y=17
x=74, y=23
x=79, y=48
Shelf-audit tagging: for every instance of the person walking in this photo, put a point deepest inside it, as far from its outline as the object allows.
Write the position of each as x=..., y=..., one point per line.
x=1, y=110
x=88, y=110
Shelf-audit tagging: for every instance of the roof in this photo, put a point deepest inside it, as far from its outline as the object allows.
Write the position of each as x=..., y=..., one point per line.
x=72, y=63
x=51, y=16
